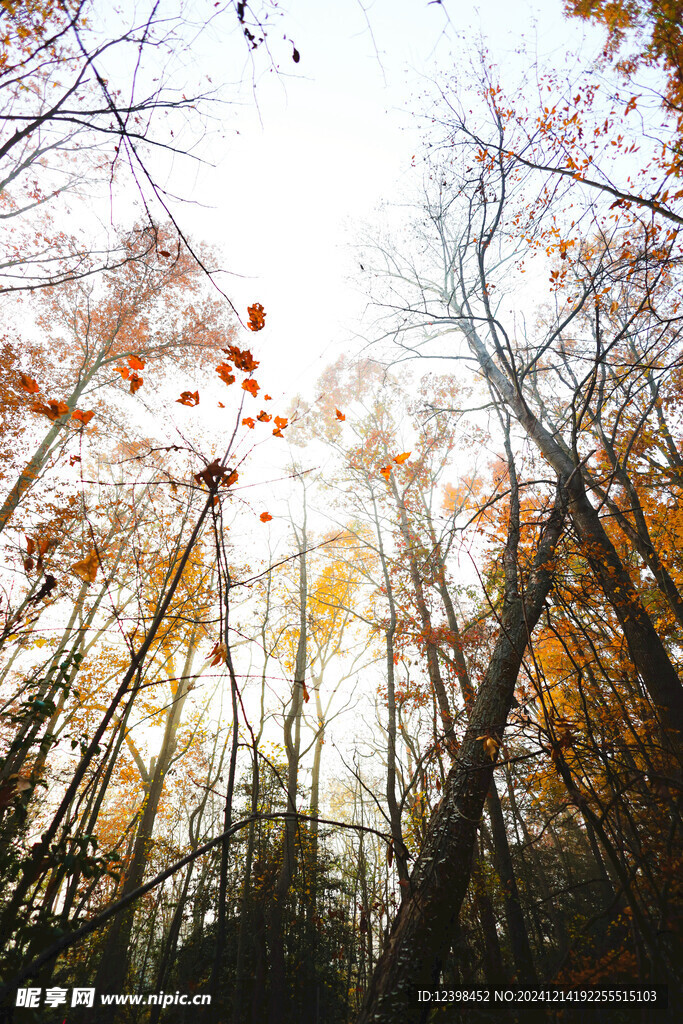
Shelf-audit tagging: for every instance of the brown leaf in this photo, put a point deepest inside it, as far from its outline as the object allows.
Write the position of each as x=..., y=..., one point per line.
x=48, y=586
x=28, y=384
x=53, y=410
x=219, y=655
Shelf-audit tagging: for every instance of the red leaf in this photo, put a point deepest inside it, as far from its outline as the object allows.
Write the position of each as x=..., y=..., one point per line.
x=190, y=398
x=251, y=386
x=135, y=363
x=84, y=417
x=265, y=517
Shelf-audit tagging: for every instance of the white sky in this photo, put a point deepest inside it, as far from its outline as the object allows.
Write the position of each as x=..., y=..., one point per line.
x=332, y=138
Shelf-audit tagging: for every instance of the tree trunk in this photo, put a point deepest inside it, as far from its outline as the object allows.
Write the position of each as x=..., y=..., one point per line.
x=426, y=920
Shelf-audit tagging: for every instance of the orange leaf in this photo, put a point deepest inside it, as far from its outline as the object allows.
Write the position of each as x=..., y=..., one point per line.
x=221, y=406
x=84, y=417
x=87, y=568
x=281, y=422
x=400, y=459
x=251, y=386
x=278, y=433
x=386, y=472
x=135, y=382
x=190, y=398
x=123, y=370
x=249, y=422
x=28, y=384
x=264, y=417
x=135, y=363
x=224, y=371
x=340, y=415
x=231, y=478
x=53, y=410
x=257, y=317
x=267, y=398
x=265, y=517
x=242, y=358
x=307, y=695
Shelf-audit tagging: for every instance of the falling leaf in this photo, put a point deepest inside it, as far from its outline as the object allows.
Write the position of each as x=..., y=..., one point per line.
x=249, y=422
x=339, y=414
x=224, y=371
x=74, y=459
x=135, y=382
x=53, y=410
x=136, y=363
x=48, y=586
x=251, y=386
x=28, y=384
x=307, y=695
x=400, y=459
x=87, y=568
x=390, y=854
x=257, y=317
x=265, y=517
x=296, y=56
x=231, y=478
x=242, y=358
x=386, y=472
x=123, y=370
x=190, y=398
x=165, y=253
x=30, y=545
x=219, y=655
x=267, y=398
x=84, y=417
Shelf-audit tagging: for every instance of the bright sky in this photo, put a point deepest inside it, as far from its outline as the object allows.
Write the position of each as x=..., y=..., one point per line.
x=332, y=138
